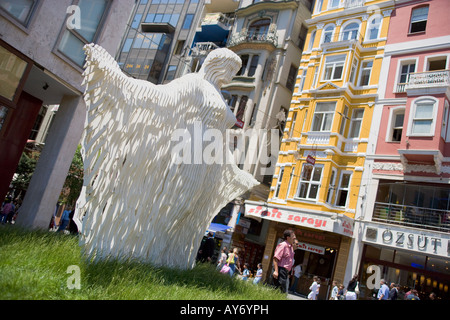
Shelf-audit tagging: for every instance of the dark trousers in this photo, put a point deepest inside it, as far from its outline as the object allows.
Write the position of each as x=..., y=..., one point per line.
x=283, y=279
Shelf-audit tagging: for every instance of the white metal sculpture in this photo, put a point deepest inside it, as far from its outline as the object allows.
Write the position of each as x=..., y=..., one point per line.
x=138, y=200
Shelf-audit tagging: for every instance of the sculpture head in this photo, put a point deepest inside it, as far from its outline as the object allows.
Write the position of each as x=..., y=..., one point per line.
x=220, y=66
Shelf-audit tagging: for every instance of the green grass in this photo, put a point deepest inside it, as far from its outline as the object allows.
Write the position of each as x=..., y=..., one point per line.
x=34, y=265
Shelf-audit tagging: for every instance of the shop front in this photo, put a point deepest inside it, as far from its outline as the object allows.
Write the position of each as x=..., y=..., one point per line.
x=412, y=258
x=324, y=243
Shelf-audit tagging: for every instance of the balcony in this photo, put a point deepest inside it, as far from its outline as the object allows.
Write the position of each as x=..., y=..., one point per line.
x=411, y=216
x=348, y=4
x=343, y=39
x=430, y=82
x=269, y=38
x=202, y=49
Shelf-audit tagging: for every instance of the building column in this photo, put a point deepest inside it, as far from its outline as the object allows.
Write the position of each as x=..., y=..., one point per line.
x=53, y=165
x=271, y=242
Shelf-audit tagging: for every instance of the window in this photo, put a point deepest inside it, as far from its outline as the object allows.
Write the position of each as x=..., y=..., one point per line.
x=136, y=21
x=419, y=17
x=365, y=73
x=373, y=31
x=343, y=189
x=334, y=65
x=253, y=65
x=353, y=71
x=308, y=187
x=258, y=29
x=73, y=40
x=279, y=180
x=290, y=181
x=171, y=70
x=332, y=186
x=398, y=117
x=423, y=117
x=21, y=10
x=328, y=34
x=314, y=82
x=292, y=76
x=318, y=6
x=179, y=47
x=355, y=123
x=241, y=108
x=350, y=31
x=291, y=129
x=244, y=59
x=405, y=71
x=333, y=4
x=311, y=40
x=323, y=116
x=187, y=21
x=344, y=117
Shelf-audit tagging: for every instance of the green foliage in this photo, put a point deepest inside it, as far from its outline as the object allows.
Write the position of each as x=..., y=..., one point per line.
x=74, y=180
x=25, y=170
x=34, y=265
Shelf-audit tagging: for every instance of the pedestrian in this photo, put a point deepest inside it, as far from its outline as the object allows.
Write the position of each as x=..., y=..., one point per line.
x=283, y=260
x=8, y=211
x=352, y=288
x=432, y=296
x=314, y=289
x=222, y=259
x=334, y=291
x=258, y=275
x=383, y=292
x=296, y=276
x=207, y=248
x=64, y=221
x=393, y=293
x=341, y=295
x=246, y=272
x=233, y=262
x=413, y=295
x=73, y=228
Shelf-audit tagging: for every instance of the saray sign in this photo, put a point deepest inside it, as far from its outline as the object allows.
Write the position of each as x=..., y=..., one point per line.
x=341, y=225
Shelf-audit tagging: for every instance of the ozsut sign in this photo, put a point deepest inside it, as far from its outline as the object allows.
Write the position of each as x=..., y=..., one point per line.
x=414, y=240
x=341, y=225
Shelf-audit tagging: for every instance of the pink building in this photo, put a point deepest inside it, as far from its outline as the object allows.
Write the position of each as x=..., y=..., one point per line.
x=405, y=207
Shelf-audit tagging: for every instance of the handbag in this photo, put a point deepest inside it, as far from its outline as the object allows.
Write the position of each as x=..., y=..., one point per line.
x=225, y=269
x=357, y=288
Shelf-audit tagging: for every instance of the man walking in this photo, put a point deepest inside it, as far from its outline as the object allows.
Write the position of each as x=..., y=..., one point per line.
x=283, y=260
x=383, y=292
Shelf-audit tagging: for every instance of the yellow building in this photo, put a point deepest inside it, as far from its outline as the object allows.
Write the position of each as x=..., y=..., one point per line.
x=318, y=180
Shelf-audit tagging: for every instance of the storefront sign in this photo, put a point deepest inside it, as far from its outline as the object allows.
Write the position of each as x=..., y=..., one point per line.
x=341, y=225
x=311, y=248
x=400, y=238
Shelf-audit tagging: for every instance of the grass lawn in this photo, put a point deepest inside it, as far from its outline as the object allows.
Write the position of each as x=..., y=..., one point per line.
x=36, y=265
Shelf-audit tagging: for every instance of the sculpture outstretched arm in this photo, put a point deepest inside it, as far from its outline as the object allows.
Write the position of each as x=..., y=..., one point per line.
x=118, y=109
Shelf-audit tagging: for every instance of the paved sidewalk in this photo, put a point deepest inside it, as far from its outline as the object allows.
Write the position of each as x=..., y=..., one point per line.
x=295, y=297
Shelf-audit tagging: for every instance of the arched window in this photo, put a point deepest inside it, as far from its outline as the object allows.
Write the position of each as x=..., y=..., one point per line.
x=350, y=31
x=373, y=27
x=258, y=29
x=328, y=34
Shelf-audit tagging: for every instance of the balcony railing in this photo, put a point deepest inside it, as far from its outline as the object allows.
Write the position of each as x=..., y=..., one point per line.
x=203, y=48
x=340, y=38
x=253, y=37
x=218, y=17
x=428, y=79
x=353, y=3
x=411, y=216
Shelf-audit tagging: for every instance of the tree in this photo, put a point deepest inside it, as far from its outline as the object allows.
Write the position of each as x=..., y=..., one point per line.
x=74, y=180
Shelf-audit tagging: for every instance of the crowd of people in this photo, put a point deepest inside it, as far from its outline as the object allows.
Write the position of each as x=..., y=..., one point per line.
x=8, y=211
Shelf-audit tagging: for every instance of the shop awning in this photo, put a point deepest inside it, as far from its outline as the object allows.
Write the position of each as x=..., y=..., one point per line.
x=214, y=227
